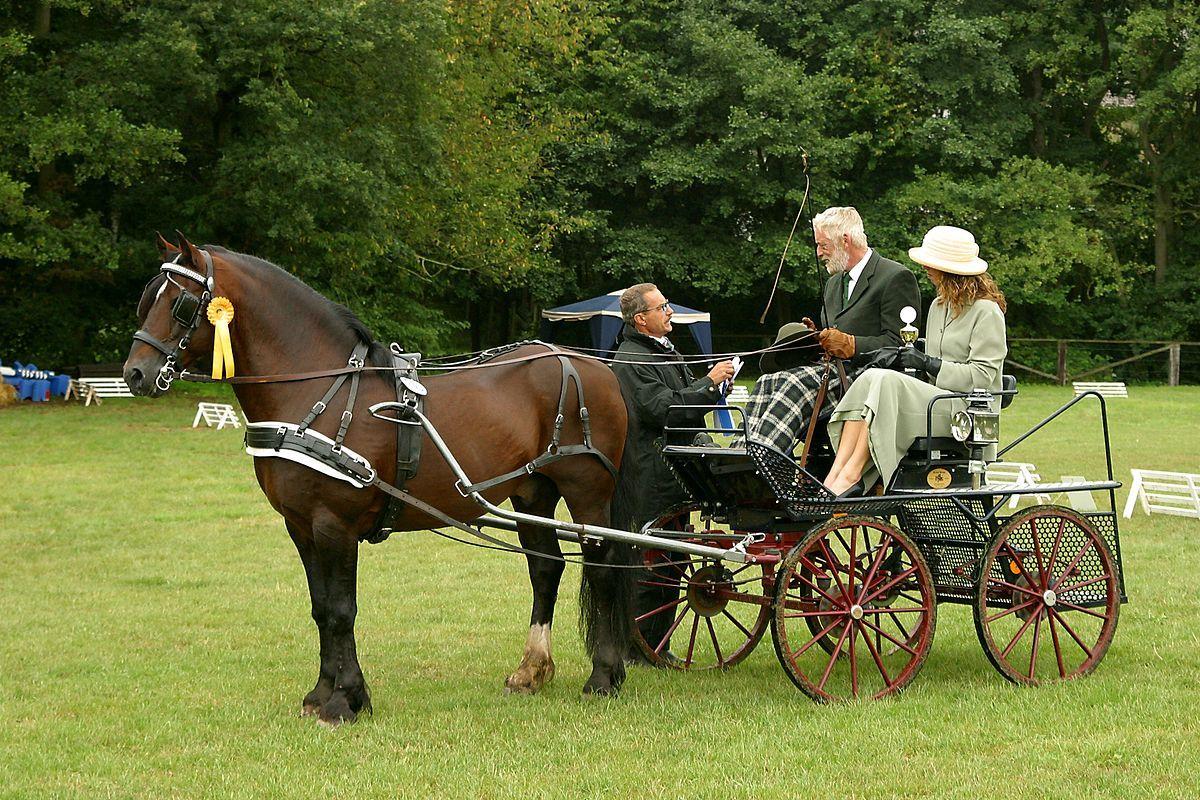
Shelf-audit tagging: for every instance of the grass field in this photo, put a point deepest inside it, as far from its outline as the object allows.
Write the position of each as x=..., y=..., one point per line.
x=155, y=642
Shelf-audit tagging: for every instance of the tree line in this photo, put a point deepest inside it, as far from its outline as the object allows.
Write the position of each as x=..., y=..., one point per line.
x=448, y=168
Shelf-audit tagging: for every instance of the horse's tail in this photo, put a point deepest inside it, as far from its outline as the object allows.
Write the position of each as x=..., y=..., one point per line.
x=606, y=595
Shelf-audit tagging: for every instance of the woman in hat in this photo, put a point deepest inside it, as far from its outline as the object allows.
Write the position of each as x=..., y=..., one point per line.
x=885, y=410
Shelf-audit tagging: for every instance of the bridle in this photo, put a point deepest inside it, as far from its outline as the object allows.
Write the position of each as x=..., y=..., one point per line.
x=187, y=310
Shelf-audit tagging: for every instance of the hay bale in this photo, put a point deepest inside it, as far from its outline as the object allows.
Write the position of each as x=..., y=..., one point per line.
x=8, y=394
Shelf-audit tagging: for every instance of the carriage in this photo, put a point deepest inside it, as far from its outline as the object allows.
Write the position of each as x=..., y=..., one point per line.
x=850, y=587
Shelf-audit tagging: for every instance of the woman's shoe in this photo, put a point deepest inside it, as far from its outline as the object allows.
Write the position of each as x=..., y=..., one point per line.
x=856, y=490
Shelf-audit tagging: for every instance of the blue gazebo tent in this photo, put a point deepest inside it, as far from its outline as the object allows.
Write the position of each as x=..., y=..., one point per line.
x=603, y=315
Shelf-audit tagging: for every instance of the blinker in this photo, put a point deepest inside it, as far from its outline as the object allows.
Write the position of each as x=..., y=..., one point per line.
x=186, y=308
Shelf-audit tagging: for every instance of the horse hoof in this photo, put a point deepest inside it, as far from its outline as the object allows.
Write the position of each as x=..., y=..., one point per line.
x=310, y=710
x=529, y=680
x=335, y=712
x=600, y=689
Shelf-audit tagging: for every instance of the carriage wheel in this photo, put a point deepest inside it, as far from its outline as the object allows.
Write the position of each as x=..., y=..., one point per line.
x=1047, y=602
x=868, y=586
x=707, y=615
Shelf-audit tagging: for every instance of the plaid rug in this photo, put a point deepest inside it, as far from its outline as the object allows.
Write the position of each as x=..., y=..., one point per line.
x=781, y=405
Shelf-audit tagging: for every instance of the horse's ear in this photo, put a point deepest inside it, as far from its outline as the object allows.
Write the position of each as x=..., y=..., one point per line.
x=165, y=249
x=191, y=253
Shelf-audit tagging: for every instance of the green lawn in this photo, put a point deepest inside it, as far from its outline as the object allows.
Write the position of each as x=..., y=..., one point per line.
x=155, y=642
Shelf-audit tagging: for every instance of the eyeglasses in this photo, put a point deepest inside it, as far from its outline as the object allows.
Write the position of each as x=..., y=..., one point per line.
x=662, y=307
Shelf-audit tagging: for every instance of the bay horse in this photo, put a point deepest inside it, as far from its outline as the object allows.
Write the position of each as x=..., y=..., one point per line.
x=493, y=420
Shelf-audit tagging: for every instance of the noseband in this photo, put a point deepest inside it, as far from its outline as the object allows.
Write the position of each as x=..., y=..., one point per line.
x=187, y=310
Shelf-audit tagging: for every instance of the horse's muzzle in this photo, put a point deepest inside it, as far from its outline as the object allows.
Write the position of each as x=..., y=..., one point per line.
x=141, y=374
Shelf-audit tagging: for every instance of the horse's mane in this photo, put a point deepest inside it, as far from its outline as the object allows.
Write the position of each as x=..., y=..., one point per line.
x=378, y=355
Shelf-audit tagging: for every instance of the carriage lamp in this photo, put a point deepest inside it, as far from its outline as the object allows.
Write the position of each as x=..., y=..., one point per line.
x=977, y=424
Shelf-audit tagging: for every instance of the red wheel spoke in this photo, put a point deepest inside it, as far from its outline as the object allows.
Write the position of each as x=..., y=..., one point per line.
x=1062, y=671
x=1062, y=526
x=1070, y=630
x=716, y=645
x=879, y=557
x=1043, y=572
x=853, y=659
x=1066, y=589
x=658, y=650
x=833, y=656
x=841, y=586
x=832, y=612
x=1020, y=563
x=1010, y=610
x=660, y=609
x=1089, y=543
x=889, y=637
x=850, y=587
x=656, y=583
x=874, y=649
x=818, y=589
x=692, y=640
x=913, y=610
x=824, y=632
x=1037, y=631
x=1087, y=611
x=740, y=626
x=899, y=624
x=888, y=585
x=1021, y=632
x=1007, y=585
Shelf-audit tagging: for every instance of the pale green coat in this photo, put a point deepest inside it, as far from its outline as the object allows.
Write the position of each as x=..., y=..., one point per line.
x=972, y=347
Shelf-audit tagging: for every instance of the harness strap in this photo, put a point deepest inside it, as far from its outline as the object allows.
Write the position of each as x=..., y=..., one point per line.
x=554, y=451
x=355, y=368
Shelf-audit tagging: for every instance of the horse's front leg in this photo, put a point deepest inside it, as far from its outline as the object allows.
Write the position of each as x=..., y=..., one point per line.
x=336, y=565
x=323, y=690
x=538, y=496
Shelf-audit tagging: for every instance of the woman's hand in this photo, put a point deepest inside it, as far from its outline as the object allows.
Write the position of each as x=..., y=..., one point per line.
x=912, y=358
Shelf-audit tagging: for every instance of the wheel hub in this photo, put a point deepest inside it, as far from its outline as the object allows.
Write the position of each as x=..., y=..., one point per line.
x=856, y=611
x=1049, y=598
x=704, y=590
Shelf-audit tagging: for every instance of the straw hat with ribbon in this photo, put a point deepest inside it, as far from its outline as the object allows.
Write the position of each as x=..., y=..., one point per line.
x=949, y=249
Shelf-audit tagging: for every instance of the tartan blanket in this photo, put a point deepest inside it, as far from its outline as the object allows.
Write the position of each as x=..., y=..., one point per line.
x=781, y=405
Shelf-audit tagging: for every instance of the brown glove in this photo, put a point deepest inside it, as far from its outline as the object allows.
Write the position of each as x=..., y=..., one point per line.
x=836, y=343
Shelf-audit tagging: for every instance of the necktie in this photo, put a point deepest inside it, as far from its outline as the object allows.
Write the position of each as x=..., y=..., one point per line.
x=845, y=289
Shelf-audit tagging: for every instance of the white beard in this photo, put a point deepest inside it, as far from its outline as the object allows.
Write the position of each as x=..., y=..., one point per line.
x=839, y=261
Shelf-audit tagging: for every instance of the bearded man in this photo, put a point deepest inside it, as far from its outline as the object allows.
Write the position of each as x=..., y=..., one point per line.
x=860, y=313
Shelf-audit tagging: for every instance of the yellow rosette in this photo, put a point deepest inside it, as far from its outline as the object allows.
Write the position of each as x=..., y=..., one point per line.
x=220, y=314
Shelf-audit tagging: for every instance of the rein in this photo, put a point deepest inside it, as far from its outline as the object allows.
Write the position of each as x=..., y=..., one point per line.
x=288, y=377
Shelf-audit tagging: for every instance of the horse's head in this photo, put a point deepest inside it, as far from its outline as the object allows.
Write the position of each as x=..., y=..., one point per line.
x=174, y=331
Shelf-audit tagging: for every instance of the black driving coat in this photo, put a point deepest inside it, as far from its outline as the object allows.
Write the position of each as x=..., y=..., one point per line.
x=658, y=380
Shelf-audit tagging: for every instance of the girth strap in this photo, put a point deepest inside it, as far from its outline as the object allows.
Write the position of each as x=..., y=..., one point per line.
x=554, y=451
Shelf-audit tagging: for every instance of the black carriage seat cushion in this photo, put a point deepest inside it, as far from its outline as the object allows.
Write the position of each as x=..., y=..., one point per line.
x=1008, y=383
x=939, y=443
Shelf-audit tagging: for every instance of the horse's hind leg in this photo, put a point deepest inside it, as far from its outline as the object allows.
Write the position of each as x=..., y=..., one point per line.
x=302, y=538
x=539, y=496
x=604, y=593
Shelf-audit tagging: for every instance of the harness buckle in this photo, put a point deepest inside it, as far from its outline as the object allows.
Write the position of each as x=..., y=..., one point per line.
x=346, y=417
x=356, y=362
x=319, y=408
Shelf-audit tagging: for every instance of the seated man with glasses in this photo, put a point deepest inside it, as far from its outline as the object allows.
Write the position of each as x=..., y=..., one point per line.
x=654, y=377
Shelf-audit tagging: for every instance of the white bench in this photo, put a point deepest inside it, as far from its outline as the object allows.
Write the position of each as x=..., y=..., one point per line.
x=103, y=387
x=1015, y=475
x=1105, y=388
x=219, y=414
x=1175, y=493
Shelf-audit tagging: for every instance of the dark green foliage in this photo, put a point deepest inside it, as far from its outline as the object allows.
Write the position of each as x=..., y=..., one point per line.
x=439, y=166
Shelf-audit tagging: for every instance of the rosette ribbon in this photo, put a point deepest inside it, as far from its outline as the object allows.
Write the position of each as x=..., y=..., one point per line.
x=220, y=314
